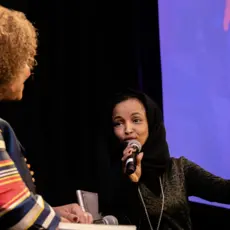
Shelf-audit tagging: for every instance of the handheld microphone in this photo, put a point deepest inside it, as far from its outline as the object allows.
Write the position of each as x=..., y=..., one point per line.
x=108, y=220
x=131, y=161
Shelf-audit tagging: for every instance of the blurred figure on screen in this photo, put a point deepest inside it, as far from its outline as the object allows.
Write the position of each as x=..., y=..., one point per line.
x=20, y=206
x=155, y=195
x=226, y=21
x=195, y=54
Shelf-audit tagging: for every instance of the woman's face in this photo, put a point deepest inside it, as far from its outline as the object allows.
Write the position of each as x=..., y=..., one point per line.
x=15, y=88
x=130, y=121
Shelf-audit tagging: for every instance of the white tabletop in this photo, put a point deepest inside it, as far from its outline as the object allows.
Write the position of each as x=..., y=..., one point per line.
x=71, y=226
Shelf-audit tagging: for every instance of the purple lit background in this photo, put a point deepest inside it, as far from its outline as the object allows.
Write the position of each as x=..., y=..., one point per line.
x=195, y=57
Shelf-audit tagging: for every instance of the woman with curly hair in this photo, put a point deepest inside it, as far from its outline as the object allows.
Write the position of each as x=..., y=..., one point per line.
x=18, y=44
x=20, y=208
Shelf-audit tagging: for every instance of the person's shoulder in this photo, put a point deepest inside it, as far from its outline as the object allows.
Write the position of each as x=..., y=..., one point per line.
x=178, y=159
x=4, y=123
x=179, y=162
x=8, y=133
x=5, y=127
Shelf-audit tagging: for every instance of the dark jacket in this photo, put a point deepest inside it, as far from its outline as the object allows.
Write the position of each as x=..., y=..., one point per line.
x=182, y=179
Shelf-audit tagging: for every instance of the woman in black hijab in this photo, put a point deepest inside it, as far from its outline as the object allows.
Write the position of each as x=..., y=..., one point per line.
x=156, y=195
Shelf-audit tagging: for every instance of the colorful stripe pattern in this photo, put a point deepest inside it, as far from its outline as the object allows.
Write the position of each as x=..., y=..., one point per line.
x=19, y=208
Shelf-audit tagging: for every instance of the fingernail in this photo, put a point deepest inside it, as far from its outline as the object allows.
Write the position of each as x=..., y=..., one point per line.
x=75, y=219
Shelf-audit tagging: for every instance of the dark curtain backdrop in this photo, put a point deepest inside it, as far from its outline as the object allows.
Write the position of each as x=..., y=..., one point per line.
x=87, y=50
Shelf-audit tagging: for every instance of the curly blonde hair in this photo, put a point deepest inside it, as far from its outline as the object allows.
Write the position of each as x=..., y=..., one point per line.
x=18, y=44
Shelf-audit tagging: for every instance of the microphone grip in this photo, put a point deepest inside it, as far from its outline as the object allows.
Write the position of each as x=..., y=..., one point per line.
x=100, y=221
x=107, y=220
x=131, y=164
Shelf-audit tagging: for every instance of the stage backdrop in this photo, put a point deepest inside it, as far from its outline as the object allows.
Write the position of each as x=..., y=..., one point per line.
x=195, y=57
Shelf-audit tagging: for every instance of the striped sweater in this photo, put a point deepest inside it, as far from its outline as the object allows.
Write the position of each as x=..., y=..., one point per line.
x=19, y=208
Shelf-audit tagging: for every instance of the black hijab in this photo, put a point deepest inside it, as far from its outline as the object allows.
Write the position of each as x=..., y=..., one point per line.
x=156, y=153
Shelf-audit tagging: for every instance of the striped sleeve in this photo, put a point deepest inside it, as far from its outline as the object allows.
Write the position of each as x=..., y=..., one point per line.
x=19, y=208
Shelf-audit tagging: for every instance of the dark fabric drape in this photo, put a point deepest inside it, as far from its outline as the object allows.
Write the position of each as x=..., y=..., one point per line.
x=86, y=51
